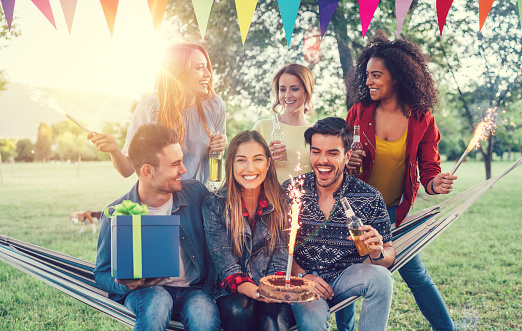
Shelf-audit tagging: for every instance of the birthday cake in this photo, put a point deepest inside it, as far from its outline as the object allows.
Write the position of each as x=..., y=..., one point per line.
x=300, y=289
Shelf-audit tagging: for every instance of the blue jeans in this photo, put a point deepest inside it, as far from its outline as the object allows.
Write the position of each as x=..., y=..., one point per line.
x=426, y=294
x=373, y=282
x=154, y=307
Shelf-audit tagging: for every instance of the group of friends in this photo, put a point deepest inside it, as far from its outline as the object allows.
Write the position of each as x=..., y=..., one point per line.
x=231, y=238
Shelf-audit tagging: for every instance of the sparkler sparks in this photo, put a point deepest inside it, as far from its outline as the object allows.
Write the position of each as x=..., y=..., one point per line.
x=295, y=195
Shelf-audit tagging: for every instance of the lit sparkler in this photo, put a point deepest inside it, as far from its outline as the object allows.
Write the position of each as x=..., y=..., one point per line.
x=42, y=98
x=481, y=133
x=295, y=194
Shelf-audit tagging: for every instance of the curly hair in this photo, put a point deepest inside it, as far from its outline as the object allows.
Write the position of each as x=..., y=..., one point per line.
x=407, y=64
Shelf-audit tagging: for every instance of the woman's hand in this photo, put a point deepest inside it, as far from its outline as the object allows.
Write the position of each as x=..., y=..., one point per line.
x=355, y=160
x=443, y=183
x=104, y=142
x=277, y=149
x=218, y=143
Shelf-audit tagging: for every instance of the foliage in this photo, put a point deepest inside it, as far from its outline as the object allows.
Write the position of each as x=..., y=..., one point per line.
x=7, y=148
x=5, y=37
x=24, y=150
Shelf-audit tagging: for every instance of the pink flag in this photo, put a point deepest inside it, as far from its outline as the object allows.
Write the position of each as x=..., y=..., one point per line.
x=484, y=8
x=45, y=7
x=110, y=7
x=8, y=8
x=401, y=10
x=157, y=10
x=68, y=8
x=443, y=7
x=367, y=10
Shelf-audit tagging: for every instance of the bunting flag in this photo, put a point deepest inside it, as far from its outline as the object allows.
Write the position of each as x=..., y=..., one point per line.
x=367, y=9
x=443, y=7
x=68, y=8
x=8, y=8
x=157, y=10
x=245, y=13
x=288, y=10
x=45, y=7
x=326, y=11
x=202, y=9
x=110, y=7
x=484, y=8
x=401, y=10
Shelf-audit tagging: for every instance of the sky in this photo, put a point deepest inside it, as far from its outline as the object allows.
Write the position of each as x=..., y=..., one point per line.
x=88, y=59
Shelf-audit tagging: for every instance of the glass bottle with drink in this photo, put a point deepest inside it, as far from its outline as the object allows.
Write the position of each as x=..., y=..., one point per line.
x=277, y=134
x=215, y=160
x=357, y=148
x=354, y=223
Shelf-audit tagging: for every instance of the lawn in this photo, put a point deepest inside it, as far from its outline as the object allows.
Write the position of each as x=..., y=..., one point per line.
x=475, y=264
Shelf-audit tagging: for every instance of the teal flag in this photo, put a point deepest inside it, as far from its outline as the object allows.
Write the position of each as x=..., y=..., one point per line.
x=288, y=10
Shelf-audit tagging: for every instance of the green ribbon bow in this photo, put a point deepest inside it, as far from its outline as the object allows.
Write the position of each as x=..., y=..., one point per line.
x=127, y=207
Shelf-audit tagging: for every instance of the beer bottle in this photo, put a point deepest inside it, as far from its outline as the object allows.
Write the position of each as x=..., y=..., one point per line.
x=357, y=148
x=277, y=134
x=215, y=160
x=354, y=223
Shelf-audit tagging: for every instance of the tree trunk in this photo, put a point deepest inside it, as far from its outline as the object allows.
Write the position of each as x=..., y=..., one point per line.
x=340, y=25
x=509, y=153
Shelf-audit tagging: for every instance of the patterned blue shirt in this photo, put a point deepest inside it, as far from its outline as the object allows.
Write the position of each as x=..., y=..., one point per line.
x=329, y=252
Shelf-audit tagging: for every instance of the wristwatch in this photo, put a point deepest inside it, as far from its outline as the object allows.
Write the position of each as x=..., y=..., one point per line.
x=377, y=259
x=301, y=275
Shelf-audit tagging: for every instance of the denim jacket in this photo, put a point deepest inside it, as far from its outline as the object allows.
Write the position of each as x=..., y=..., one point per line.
x=256, y=261
x=186, y=203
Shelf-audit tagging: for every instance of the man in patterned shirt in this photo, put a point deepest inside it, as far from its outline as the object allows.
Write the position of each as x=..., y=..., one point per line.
x=325, y=253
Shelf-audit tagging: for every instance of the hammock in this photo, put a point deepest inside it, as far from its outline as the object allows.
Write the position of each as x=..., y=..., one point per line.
x=75, y=277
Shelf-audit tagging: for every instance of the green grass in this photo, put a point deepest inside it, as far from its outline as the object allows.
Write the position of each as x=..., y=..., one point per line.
x=475, y=264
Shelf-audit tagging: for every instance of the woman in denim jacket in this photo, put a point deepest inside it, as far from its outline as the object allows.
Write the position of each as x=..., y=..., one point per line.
x=244, y=223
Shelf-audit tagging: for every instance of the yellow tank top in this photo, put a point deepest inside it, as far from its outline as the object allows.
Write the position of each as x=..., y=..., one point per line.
x=389, y=171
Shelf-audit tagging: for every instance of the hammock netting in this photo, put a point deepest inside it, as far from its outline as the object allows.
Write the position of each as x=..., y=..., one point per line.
x=75, y=277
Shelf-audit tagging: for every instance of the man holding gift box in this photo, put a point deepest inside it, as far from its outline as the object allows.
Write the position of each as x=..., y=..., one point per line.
x=156, y=156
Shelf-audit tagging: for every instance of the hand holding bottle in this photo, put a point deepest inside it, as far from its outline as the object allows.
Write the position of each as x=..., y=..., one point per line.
x=218, y=142
x=355, y=159
x=277, y=150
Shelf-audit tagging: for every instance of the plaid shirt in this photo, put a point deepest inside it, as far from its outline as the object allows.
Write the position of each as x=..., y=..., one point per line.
x=330, y=252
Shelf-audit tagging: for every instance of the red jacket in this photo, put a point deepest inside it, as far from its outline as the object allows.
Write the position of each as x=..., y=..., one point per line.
x=422, y=151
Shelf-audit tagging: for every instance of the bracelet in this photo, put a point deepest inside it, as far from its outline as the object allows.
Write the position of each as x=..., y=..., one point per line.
x=432, y=189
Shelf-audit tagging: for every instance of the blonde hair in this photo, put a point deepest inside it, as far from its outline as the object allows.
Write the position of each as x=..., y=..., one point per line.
x=274, y=193
x=304, y=75
x=170, y=88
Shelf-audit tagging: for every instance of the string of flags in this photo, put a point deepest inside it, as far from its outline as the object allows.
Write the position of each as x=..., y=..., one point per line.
x=245, y=13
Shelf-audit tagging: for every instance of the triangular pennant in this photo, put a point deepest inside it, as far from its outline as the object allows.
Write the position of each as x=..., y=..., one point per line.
x=45, y=7
x=157, y=10
x=484, y=8
x=8, y=8
x=68, y=8
x=326, y=11
x=110, y=7
x=245, y=13
x=401, y=10
x=367, y=10
x=202, y=9
x=288, y=10
x=443, y=7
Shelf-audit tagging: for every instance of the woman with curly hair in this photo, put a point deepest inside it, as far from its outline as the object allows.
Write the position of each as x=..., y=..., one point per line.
x=183, y=100
x=394, y=95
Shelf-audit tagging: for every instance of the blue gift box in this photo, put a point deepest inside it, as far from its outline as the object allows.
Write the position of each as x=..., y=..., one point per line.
x=144, y=246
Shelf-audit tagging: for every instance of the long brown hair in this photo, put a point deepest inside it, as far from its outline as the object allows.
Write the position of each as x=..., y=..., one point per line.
x=169, y=86
x=304, y=75
x=274, y=193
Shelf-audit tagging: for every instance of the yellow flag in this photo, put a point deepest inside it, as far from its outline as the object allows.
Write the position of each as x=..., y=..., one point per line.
x=245, y=13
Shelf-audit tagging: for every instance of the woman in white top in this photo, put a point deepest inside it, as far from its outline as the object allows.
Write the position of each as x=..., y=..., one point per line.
x=293, y=86
x=183, y=100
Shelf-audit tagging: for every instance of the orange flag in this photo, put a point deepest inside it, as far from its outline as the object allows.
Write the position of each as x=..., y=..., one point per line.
x=110, y=7
x=157, y=10
x=484, y=8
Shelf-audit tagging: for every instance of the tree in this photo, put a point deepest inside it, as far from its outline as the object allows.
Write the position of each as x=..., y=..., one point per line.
x=24, y=150
x=7, y=148
x=491, y=61
x=5, y=37
x=42, y=147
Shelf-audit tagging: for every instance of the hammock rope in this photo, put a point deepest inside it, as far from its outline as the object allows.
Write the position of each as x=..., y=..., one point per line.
x=75, y=277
